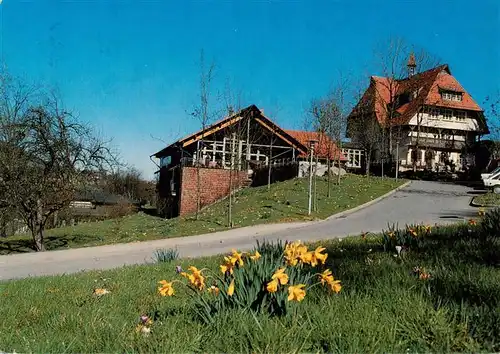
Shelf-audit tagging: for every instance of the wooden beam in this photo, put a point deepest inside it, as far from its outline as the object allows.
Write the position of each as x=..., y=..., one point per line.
x=211, y=130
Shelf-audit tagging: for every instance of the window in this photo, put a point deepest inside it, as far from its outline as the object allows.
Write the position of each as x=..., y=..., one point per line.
x=448, y=114
x=165, y=161
x=434, y=113
x=461, y=115
x=451, y=96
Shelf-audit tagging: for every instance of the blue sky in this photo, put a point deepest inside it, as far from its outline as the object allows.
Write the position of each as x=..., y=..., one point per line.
x=131, y=67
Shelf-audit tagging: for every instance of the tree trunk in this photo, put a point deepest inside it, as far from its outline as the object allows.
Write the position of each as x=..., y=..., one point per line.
x=315, y=184
x=37, y=229
x=269, y=166
x=368, y=162
x=329, y=194
x=338, y=162
x=3, y=228
x=198, y=191
x=230, y=209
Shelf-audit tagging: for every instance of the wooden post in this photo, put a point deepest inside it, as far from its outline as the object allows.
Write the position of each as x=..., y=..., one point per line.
x=224, y=152
x=233, y=148
x=248, y=139
x=240, y=152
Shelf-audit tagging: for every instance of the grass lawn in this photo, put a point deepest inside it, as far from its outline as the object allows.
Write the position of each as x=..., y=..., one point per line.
x=488, y=199
x=284, y=202
x=382, y=307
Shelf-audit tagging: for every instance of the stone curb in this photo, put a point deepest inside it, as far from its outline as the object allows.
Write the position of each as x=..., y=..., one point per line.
x=367, y=204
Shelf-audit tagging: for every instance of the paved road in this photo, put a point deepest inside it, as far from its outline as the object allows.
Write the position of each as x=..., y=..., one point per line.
x=420, y=202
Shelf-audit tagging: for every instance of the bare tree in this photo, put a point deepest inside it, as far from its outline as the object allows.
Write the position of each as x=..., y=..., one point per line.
x=128, y=183
x=46, y=155
x=492, y=104
x=363, y=126
x=397, y=61
x=328, y=117
x=339, y=113
x=203, y=115
x=237, y=132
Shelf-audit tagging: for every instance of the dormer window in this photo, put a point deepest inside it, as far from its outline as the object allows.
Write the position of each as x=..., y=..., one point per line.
x=451, y=96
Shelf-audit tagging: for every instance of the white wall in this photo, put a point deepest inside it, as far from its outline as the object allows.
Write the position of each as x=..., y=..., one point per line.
x=468, y=124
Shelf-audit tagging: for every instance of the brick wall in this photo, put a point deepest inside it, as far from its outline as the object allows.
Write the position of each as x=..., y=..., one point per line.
x=214, y=185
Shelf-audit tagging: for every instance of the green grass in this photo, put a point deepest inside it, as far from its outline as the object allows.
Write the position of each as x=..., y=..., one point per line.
x=487, y=199
x=284, y=202
x=382, y=307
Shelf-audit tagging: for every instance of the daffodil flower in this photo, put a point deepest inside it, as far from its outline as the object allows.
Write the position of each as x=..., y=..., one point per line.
x=165, y=288
x=296, y=292
x=230, y=289
x=256, y=256
x=280, y=276
x=272, y=286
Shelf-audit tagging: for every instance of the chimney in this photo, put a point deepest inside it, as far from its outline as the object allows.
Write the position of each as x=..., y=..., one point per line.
x=411, y=65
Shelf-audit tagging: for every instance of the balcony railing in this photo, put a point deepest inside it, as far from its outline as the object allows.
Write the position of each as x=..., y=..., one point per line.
x=438, y=143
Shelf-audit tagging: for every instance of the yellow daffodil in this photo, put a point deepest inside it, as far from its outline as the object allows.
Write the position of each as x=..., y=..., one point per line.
x=101, y=292
x=291, y=259
x=230, y=289
x=166, y=288
x=428, y=229
x=280, y=276
x=390, y=234
x=272, y=286
x=196, y=279
x=296, y=292
x=412, y=232
x=326, y=277
x=424, y=276
x=214, y=290
x=334, y=285
x=236, y=258
x=145, y=330
x=318, y=257
x=481, y=212
x=227, y=266
x=256, y=256
x=295, y=252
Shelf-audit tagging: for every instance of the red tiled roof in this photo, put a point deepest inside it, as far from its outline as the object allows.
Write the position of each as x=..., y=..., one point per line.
x=325, y=147
x=429, y=84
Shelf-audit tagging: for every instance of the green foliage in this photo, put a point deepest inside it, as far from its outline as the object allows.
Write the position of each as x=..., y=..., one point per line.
x=270, y=249
x=166, y=255
x=490, y=224
x=408, y=238
x=283, y=202
x=487, y=199
x=250, y=281
x=383, y=306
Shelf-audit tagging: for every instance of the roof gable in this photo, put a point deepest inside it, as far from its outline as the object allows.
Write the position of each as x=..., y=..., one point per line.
x=326, y=147
x=226, y=122
x=427, y=85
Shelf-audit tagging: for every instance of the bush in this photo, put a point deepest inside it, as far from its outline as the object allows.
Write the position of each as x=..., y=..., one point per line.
x=409, y=237
x=166, y=255
x=271, y=279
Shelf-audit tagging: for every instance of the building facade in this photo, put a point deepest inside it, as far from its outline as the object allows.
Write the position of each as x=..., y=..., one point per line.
x=245, y=148
x=425, y=121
